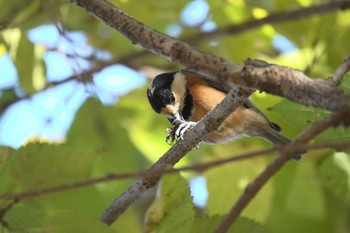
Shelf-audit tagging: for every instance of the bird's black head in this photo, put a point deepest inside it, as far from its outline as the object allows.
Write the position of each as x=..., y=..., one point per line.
x=159, y=92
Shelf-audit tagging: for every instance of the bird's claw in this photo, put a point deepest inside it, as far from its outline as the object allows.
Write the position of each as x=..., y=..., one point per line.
x=182, y=127
x=178, y=130
x=170, y=136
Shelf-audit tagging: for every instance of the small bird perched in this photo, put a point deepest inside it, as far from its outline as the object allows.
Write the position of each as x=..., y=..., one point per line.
x=185, y=97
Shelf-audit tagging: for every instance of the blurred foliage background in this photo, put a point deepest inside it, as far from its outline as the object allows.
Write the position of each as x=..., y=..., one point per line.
x=113, y=129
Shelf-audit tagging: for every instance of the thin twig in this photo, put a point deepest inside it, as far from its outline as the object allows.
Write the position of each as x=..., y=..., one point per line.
x=337, y=146
x=289, y=151
x=339, y=73
x=4, y=210
x=83, y=77
x=144, y=174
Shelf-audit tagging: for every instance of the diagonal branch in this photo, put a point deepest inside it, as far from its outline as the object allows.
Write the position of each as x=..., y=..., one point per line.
x=212, y=121
x=334, y=120
x=339, y=73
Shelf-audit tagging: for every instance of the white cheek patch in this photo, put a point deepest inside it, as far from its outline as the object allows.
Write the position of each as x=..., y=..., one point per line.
x=151, y=89
x=178, y=88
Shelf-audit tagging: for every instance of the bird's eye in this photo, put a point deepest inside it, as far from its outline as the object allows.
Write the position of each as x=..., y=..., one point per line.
x=172, y=99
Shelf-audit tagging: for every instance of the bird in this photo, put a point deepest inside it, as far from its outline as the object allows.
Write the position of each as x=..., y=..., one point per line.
x=185, y=97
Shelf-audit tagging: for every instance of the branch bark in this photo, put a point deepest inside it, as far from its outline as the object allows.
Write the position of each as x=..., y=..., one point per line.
x=249, y=76
x=339, y=73
x=293, y=85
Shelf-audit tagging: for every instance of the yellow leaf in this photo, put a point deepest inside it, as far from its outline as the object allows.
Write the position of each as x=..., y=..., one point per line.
x=12, y=37
x=259, y=13
x=39, y=67
x=2, y=50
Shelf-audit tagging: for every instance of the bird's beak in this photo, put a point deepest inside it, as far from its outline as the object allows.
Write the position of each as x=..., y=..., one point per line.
x=175, y=117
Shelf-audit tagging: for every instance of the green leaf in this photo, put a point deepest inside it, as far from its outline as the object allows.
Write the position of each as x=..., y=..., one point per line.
x=41, y=165
x=173, y=210
x=307, y=204
x=247, y=225
x=300, y=117
x=38, y=166
x=146, y=13
x=345, y=84
x=228, y=11
x=105, y=131
x=39, y=68
x=242, y=224
x=206, y=223
x=26, y=216
x=15, y=9
x=32, y=216
x=24, y=62
x=335, y=176
x=299, y=203
x=227, y=183
x=33, y=16
x=12, y=38
x=146, y=129
x=2, y=48
x=61, y=221
x=7, y=98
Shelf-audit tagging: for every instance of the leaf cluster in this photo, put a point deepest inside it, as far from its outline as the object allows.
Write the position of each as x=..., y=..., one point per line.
x=309, y=196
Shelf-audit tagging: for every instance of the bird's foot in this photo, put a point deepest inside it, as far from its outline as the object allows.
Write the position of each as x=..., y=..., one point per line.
x=181, y=127
x=178, y=130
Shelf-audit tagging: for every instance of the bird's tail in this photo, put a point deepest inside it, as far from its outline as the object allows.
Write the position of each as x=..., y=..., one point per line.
x=278, y=139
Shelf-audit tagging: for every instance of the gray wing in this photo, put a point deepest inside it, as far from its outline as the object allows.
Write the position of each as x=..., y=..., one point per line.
x=221, y=86
x=249, y=104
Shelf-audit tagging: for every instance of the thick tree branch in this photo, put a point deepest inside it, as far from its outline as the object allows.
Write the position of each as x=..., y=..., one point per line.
x=289, y=151
x=294, y=14
x=294, y=85
x=261, y=78
x=230, y=30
